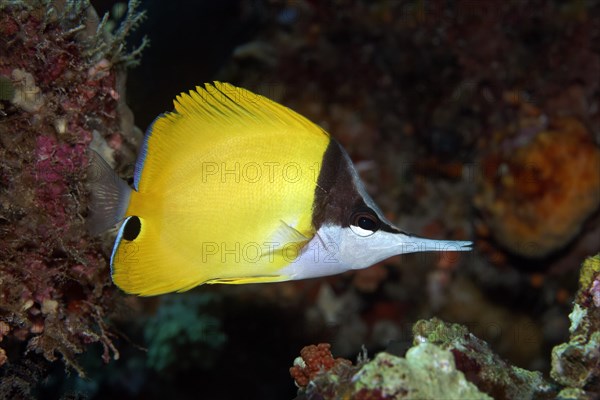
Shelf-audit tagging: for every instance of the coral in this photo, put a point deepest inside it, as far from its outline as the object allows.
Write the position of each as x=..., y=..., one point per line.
x=576, y=364
x=446, y=361
x=480, y=365
x=533, y=203
x=55, y=292
x=314, y=360
x=427, y=372
x=182, y=333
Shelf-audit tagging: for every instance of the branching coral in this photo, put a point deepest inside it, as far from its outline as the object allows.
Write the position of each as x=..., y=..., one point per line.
x=59, y=86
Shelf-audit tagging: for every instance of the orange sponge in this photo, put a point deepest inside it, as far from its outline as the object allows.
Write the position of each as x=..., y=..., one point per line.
x=536, y=196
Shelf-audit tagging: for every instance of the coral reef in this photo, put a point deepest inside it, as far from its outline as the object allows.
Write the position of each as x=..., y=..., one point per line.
x=62, y=78
x=446, y=360
x=427, y=371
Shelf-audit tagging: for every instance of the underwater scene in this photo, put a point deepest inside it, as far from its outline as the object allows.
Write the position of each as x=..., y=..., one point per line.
x=300, y=199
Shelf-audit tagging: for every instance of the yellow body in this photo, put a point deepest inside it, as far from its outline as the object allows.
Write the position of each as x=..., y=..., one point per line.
x=225, y=193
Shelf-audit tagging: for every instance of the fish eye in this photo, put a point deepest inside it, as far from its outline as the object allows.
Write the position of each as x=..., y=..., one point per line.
x=132, y=229
x=364, y=223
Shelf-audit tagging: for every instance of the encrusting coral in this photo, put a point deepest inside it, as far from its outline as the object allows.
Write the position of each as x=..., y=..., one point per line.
x=62, y=77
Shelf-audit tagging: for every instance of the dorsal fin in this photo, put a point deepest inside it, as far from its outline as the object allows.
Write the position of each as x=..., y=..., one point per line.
x=212, y=113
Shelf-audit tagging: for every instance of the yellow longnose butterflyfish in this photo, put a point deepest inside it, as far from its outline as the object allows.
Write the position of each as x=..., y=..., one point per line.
x=231, y=187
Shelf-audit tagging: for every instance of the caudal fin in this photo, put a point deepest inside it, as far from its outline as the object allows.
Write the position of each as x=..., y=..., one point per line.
x=109, y=195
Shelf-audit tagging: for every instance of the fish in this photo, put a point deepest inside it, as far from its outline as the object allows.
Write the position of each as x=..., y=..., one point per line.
x=231, y=187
